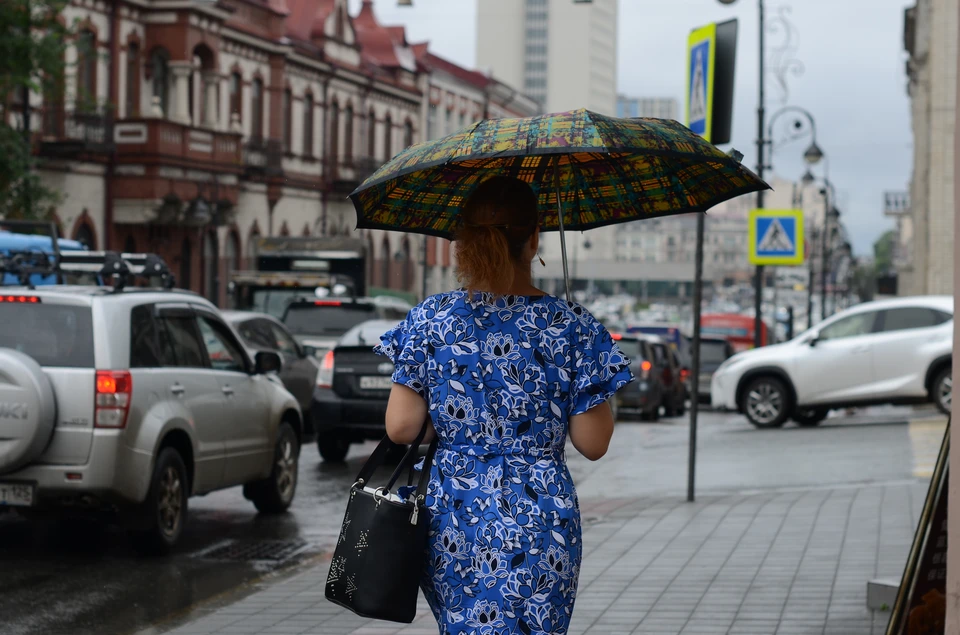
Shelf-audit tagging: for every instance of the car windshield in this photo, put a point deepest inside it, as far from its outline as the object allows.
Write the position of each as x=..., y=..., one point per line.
x=275, y=301
x=53, y=335
x=333, y=319
x=713, y=352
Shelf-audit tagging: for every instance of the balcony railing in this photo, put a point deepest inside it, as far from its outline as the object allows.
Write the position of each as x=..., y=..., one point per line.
x=67, y=134
x=147, y=140
x=263, y=157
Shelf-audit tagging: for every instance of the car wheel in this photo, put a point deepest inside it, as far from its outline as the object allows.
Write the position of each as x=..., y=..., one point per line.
x=765, y=402
x=943, y=390
x=333, y=447
x=809, y=417
x=165, y=509
x=274, y=494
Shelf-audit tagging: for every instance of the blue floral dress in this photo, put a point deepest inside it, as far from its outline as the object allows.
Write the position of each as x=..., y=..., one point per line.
x=502, y=377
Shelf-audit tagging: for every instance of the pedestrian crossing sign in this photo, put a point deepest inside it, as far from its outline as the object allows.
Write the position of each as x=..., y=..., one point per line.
x=701, y=68
x=775, y=237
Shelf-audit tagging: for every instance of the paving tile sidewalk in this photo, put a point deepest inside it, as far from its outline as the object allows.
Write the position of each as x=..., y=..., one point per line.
x=777, y=563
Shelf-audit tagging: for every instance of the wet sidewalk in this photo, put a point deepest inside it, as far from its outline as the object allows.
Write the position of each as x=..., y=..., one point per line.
x=785, y=562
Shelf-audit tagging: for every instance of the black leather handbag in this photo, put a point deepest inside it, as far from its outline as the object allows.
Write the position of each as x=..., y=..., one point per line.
x=377, y=564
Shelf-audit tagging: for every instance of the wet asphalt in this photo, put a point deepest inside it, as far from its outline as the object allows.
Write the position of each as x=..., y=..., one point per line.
x=72, y=577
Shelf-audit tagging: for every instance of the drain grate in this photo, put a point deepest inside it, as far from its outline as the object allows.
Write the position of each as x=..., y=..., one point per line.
x=260, y=550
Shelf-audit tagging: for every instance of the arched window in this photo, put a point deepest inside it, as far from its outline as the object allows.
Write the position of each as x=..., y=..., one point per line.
x=160, y=73
x=387, y=138
x=334, y=145
x=308, y=125
x=236, y=94
x=348, y=135
x=385, y=258
x=407, y=134
x=133, y=80
x=130, y=245
x=231, y=253
x=211, y=262
x=84, y=235
x=287, y=120
x=253, y=248
x=372, y=135
x=256, y=110
x=87, y=70
x=186, y=264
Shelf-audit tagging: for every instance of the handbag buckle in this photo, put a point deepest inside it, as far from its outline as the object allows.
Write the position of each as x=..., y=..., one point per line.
x=378, y=497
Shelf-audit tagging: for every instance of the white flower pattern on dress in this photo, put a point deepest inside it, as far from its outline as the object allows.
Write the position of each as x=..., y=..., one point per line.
x=502, y=376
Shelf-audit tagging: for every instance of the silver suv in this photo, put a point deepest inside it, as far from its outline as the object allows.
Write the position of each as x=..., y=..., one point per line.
x=134, y=400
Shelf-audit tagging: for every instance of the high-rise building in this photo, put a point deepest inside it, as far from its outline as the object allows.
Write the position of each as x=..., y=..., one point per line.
x=661, y=107
x=560, y=52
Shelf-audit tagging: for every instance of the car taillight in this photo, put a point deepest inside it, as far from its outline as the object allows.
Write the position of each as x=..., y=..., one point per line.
x=684, y=374
x=113, y=393
x=645, y=368
x=325, y=375
x=20, y=299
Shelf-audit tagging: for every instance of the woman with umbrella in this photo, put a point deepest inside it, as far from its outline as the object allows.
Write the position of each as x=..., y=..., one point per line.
x=504, y=371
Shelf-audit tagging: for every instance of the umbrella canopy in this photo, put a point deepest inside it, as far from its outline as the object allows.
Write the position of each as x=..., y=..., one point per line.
x=605, y=170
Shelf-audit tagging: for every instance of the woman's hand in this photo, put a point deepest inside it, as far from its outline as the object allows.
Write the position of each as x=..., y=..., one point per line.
x=406, y=412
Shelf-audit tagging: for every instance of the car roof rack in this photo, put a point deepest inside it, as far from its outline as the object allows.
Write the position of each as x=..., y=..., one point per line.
x=121, y=269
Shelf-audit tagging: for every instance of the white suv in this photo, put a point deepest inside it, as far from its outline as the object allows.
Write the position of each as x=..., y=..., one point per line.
x=132, y=401
x=887, y=352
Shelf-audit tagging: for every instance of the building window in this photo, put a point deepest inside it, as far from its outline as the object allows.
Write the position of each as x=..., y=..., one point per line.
x=87, y=70
x=432, y=122
x=256, y=110
x=372, y=135
x=334, y=146
x=408, y=134
x=159, y=66
x=211, y=264
x=448, y=125
x=133, y=80
x=348, y=135
x=308, y=125
x=236, y=94
x=186, y=264
x=387, y=138
x=287, y=121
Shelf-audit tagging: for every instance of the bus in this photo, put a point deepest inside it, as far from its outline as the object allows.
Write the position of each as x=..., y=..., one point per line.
x=736, y=329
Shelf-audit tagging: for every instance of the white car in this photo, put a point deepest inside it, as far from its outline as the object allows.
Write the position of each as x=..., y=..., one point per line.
x=887, y=352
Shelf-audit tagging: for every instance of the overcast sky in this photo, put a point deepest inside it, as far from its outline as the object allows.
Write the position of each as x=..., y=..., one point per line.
x=853, y=81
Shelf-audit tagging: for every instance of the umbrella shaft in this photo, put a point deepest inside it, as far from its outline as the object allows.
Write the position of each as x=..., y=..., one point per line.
x=563, y=238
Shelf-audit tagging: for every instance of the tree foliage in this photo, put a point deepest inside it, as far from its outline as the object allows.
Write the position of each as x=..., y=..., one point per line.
x=32, y=43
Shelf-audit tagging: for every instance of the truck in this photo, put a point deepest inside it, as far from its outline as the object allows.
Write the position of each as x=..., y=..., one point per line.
x=296, y=269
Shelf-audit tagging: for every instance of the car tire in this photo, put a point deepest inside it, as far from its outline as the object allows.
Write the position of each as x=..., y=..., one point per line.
x=765, y=402
x=809, y=417
x=274, y=494
x=333, y=447
x=165, y=509
x=943, y=390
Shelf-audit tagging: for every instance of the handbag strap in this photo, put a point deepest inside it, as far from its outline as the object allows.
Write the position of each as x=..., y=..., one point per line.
x=380, y=453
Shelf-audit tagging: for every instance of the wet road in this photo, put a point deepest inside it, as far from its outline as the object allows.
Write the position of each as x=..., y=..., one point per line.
x=74, y=578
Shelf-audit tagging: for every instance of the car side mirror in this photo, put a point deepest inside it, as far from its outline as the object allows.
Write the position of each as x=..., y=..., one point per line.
x=309, y=351
x=268, y=362
x=813, y=340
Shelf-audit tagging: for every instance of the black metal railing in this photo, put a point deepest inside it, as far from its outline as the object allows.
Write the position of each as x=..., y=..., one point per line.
x=68, y=133
x=263, y=157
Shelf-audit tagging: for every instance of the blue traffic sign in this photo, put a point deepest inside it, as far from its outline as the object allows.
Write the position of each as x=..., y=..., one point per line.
x=776, y=237
x=701, y=62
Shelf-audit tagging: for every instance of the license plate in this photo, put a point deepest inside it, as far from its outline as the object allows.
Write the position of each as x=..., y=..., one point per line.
x=376, y=383
x=16, y=494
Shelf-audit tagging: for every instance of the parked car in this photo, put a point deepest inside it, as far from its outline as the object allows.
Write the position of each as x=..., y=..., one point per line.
x=887, y=352
x=262, y=332
x=645, y=395
x=713, y=352
x=319, y=324
x=350, y=400
x=668, y=367
x=134, y=400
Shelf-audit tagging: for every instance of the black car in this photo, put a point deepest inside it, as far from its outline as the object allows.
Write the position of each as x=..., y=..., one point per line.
x=667, y=366
x=319, y=324
x=644, y=395
x=350, y=400
x=262, y=332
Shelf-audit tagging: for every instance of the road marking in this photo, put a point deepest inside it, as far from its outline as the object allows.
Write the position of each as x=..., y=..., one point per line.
x=926, y=435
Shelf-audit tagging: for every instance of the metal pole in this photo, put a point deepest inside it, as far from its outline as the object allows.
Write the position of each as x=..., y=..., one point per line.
x=823, y=251
x=563, y=239
x=695, y=396
x=761, y=146
x=811, y=279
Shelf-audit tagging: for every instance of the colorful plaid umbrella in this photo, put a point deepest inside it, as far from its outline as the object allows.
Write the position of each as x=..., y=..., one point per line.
x=599, y=170
x=610, y=171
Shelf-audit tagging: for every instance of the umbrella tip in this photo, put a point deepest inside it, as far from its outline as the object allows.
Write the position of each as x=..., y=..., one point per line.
x=736, y=154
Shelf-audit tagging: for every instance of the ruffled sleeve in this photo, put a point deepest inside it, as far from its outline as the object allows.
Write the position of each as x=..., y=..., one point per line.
x=600, y=367
x=406, y=347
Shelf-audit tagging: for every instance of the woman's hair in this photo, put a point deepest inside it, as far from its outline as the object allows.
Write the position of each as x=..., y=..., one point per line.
x=498, y=220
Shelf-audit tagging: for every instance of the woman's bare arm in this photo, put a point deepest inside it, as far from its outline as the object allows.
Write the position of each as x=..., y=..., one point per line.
x=406, y=412
x=590, y=432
